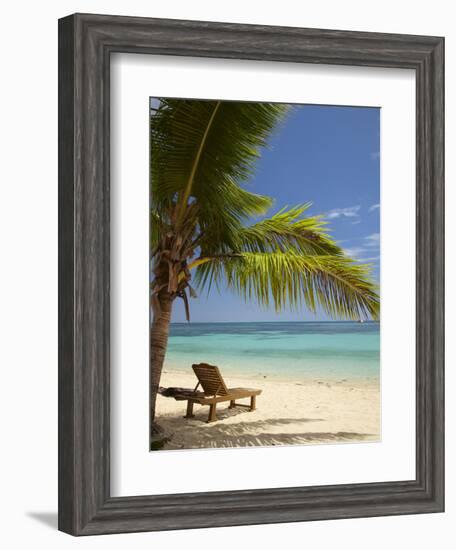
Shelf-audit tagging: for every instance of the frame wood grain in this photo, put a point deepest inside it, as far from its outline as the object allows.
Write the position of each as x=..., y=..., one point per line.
x=85, y=45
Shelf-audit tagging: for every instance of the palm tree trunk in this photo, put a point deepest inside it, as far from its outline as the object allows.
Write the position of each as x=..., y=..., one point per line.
x=159, y=332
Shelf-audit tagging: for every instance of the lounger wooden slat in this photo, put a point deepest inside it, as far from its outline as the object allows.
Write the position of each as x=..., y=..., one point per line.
x=215, y=391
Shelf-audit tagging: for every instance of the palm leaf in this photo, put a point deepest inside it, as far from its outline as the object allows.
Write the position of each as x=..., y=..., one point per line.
x=337, y=284
x=202, y=153
x=285, y=230
x=203, y=150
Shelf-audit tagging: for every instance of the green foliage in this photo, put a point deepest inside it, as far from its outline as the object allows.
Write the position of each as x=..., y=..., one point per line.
x=288, y=229
x=202, y=154
x=231, y=141
x=202, y=151
x=338, y=284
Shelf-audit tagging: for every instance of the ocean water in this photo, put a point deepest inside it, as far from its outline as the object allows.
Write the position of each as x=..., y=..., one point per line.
x=289, y=349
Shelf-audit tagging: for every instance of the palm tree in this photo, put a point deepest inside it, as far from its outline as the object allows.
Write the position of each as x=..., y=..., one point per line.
x=206, y=227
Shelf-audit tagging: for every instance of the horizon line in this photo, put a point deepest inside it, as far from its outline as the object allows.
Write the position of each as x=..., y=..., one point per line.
x=247, y=322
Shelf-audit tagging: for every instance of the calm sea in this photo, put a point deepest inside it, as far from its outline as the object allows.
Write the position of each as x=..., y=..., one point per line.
x=327, y=349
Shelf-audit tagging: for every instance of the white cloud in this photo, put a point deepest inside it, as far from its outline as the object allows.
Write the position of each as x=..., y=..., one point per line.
x=367, y=250
x=372, y=259
x=354, y=252
x=349, y=212
x=372, y=240
x=374, y=207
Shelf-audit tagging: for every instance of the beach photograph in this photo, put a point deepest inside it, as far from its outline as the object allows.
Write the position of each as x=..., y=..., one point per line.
x=264, y=274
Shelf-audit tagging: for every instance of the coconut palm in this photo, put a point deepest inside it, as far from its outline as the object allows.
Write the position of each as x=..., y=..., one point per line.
x=207, y=228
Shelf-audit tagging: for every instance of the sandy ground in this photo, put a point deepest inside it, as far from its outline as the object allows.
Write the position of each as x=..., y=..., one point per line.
x=288, y=412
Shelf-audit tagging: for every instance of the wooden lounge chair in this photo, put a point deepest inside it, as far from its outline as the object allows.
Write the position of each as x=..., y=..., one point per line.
x=215, y=391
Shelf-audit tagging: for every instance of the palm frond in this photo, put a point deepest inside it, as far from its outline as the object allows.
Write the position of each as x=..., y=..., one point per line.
x=221, y=218
x=288, y=230
x=202, y=152
x=339, y=285
x=201, y=149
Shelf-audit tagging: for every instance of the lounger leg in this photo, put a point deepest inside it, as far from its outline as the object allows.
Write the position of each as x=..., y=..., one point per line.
x=253, y=403
x=212, y=416
x=232, y=404
x=189, y=410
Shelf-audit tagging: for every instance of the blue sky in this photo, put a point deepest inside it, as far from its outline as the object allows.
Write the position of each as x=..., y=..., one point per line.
x=329, y=156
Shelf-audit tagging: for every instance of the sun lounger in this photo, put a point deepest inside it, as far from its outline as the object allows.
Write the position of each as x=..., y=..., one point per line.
x=215, y=391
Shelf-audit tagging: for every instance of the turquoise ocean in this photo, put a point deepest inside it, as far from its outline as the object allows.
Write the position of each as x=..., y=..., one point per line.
x=283, y=349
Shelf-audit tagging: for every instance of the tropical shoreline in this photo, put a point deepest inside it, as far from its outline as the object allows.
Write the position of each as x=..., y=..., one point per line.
x=301, y=379
x=299, y=411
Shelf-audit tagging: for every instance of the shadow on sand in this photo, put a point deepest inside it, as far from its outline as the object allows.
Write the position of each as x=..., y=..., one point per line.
x=258, y=433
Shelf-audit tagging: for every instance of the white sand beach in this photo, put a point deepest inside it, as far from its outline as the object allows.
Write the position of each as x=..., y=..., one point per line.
x=289, y=412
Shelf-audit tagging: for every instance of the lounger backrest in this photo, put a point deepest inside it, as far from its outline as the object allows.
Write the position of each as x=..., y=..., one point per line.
x=210, y=379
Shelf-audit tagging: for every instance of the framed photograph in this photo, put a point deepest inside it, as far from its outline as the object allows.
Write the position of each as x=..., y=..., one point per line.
x=251, y=274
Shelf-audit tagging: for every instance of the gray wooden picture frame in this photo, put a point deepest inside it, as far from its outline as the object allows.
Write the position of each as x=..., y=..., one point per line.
x=85, y=45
